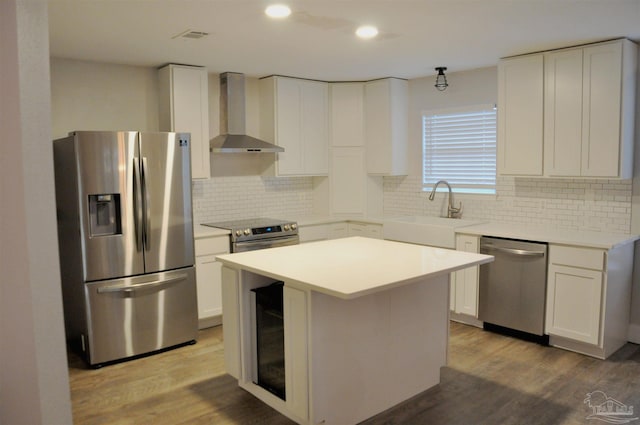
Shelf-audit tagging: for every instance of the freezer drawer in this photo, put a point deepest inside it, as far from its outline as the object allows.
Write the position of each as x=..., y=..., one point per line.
x=132, y=316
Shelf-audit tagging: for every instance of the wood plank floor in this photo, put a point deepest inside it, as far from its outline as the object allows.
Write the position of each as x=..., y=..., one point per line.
x=491, y=379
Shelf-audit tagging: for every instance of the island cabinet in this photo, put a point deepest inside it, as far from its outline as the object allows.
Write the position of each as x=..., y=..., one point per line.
x=576, y=105
x=588, y=298
x=184, y=107
x=362, y=332
x=386, y=104
x=294, y=115
x=209, y=279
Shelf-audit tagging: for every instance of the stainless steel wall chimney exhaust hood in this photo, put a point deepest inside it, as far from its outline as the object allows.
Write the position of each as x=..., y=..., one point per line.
x=232, y=120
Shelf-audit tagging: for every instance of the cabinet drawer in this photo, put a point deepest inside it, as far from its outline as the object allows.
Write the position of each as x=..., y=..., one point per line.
x=587, y=258
x=207, y=246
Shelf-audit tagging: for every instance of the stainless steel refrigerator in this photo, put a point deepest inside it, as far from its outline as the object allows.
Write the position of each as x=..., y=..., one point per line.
x=126, y=242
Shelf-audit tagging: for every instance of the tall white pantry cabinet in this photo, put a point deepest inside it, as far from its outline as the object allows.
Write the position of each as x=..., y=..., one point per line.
x=184, y=107
x=568, y=112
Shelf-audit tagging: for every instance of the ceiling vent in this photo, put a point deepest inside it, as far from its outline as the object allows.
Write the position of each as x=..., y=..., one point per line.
x=191, y=34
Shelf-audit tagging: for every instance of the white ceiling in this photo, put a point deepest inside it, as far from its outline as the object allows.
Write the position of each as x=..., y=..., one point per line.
x=317, y=40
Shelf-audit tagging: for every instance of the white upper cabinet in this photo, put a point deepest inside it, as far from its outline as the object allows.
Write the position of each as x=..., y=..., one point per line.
x=584, y=125
x=520, y=103
x=589, y=96
x=184, y=107
x=294, y=115
x=386, y=125
x=347, y=114
x=563, y=113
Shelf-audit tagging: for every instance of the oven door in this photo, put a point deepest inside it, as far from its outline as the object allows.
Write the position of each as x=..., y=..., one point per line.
x=264, y=243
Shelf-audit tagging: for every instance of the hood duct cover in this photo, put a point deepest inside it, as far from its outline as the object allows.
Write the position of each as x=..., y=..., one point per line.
x=232, y=120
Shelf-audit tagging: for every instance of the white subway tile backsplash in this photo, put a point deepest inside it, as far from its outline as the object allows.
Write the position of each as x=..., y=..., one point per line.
x=595, y=205
x=230, y=198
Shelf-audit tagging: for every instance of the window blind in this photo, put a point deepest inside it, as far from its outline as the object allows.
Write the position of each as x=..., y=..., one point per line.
x=459, y=146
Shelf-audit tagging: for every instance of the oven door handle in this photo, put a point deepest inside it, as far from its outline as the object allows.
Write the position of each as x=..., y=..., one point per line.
x=513, y=251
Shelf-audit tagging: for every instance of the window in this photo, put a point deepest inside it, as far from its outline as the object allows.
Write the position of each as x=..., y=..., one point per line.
x=459, y=146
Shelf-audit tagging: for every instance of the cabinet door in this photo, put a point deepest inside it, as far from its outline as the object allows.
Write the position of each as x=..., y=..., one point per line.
x=338, y=230
x=186, y=109
x=465, y=289
x=318, y=232
x=209, y=281
x=315, y=127
x=288, y=104
x=563, y=113
x=347, y=181
x=520, y=114
x=574, y=300
x=386, y=126
x=301, y=116
x=347, y=114
x=602, y=110
x=209, y=277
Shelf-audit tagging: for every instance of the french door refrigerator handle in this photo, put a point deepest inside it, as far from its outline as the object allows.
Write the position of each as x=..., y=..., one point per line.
x=137, y=203
x=141, y=286
x=147, y=206
x=513, y=251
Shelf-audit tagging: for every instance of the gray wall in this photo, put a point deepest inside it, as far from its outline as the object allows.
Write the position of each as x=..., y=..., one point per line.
x=34, y=379
x=101, y=96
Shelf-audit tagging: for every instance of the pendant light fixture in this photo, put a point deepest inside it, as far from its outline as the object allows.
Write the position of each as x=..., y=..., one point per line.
x=441, y=79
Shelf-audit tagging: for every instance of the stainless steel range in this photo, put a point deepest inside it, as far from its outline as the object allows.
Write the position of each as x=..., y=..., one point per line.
x=259, y=233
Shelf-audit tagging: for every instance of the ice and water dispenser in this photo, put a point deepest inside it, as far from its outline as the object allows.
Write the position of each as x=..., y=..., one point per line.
x=104, y=214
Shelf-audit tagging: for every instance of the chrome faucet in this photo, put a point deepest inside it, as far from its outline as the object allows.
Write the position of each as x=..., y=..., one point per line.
x=452, y=212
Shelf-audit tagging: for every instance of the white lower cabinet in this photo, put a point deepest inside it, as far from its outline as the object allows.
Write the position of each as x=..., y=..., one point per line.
x=574, y=300
x=366, y=230
x=588, y=298
x=323, y=232
x=464, y=283
x=209, y=279
x=340, y=229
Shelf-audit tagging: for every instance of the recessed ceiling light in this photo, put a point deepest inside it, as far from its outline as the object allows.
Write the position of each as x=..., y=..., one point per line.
x=278, y=11
x=367, y=31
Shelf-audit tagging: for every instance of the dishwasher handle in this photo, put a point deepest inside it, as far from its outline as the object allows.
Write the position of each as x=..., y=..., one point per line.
x=513, y=251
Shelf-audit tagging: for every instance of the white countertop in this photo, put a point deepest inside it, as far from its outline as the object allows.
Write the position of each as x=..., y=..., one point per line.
x=200, y=231
x=549, y=234
x=352, y=267
x=317, y=220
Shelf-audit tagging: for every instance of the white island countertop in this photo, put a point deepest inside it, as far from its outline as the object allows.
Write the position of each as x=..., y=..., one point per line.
x=352, y=267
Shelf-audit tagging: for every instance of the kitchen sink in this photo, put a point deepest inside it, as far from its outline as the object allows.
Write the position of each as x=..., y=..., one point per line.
x=425, y=230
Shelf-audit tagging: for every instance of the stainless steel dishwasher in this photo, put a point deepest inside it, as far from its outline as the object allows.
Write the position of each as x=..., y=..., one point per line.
x=513, y=287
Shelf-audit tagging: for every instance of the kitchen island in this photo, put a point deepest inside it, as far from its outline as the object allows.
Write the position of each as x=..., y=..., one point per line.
x=365, y=323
